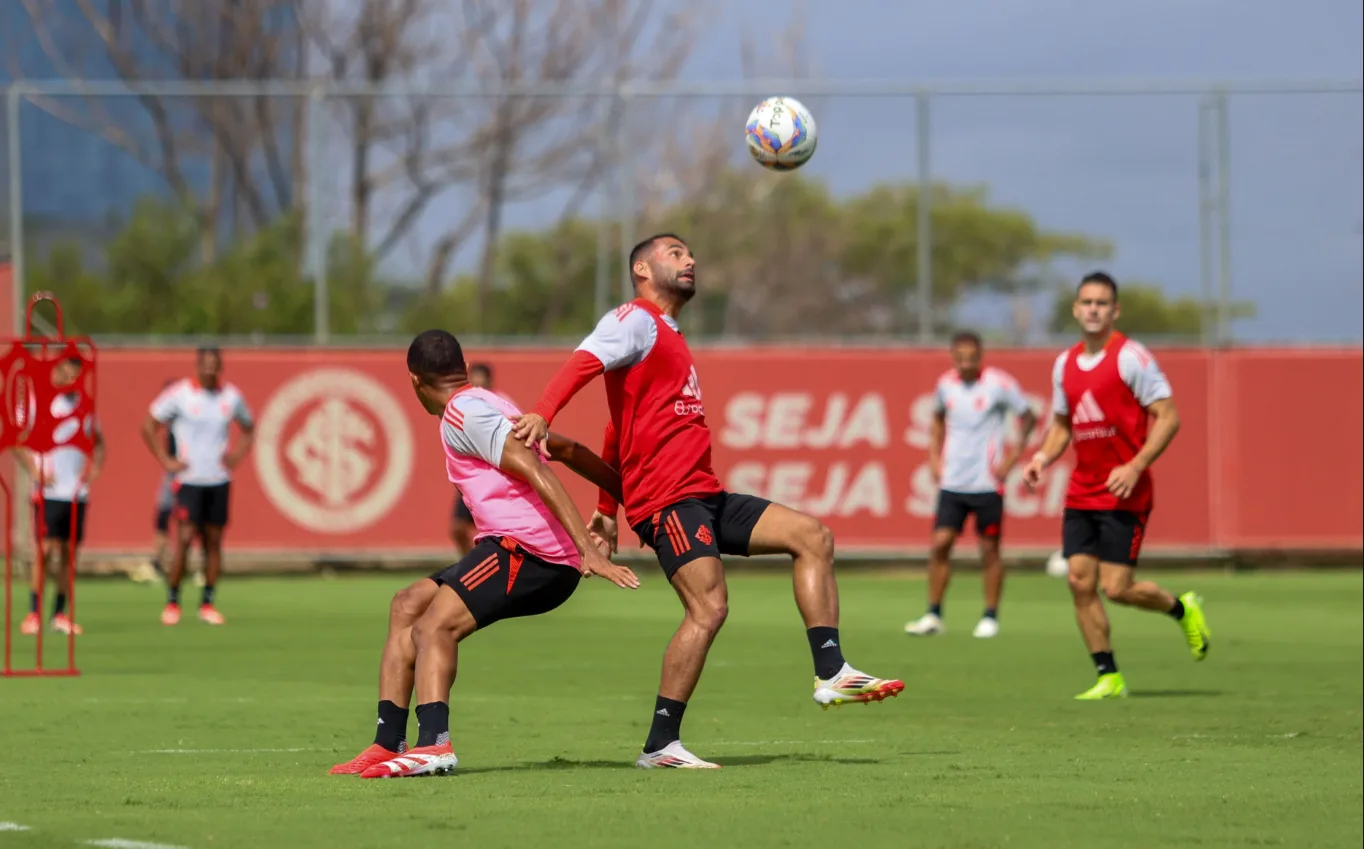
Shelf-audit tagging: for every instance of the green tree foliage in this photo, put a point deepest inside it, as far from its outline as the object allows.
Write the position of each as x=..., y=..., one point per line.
x=1148, y=311
x=780, y=255
x=149, y=280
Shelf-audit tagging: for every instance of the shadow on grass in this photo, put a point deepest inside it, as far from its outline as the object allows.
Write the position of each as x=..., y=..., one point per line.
x=744, y=760
x=1174, y=694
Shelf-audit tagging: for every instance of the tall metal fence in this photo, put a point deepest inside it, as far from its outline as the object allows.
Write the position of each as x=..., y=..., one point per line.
x=338, y=214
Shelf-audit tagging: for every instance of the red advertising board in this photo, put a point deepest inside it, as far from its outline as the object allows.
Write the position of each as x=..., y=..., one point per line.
x=346, y=461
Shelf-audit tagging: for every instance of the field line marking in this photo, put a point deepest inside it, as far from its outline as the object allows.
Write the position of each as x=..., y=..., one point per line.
x=120, y=843
x=220, y=751
x=13, y=826
x=784, y=742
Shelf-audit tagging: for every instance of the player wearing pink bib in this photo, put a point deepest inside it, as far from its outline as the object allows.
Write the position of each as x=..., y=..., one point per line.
x=531, y=550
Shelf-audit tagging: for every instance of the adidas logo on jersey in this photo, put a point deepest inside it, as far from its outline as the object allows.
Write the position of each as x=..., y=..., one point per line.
x=1087, y=410
x=690, y=389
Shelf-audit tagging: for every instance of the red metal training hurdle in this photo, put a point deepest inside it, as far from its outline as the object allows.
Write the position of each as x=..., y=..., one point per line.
x=29, y=388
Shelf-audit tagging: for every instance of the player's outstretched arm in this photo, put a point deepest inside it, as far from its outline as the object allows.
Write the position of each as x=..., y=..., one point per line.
x=579, y=371
x=584, y=463
x=521, y=462
x=1053, y=446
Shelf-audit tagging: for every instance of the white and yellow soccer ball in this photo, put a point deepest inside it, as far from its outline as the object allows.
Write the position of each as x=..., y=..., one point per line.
x=781, y=133
x=1057, y=565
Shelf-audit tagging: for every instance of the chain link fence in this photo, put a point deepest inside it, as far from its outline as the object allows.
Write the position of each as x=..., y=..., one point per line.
x=274, y=212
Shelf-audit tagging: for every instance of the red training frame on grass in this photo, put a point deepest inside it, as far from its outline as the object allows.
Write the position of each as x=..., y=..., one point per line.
x=27, y=390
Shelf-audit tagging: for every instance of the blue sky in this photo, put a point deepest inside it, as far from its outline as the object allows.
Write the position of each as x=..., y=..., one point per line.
x=1124, y=168
x=1119, y=167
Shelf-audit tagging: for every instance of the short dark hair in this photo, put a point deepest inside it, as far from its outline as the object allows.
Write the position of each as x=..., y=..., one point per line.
x=966, y=337
x=645, y=246
x=1101, y=278
x=208, y=351
x=435, y=353
x=481, y=368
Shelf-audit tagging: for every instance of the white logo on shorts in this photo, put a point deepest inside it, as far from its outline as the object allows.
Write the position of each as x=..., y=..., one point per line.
x=322, y=439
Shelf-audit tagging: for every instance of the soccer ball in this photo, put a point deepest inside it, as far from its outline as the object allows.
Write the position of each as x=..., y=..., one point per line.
x=781, y=134
x=1057, y=566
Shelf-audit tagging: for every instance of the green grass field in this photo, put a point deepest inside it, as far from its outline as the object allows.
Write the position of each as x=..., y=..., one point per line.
x=201, y=737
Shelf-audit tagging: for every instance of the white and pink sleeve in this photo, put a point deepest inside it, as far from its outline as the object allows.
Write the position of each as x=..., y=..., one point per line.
x=166, y=406
x=1142, y=374
x=1059, y=406
x=476, y=429
x=622, y=338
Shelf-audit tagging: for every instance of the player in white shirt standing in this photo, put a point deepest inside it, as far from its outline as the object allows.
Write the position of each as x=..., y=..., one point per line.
x=61, y=473
x=970, y=461
x=199, y=414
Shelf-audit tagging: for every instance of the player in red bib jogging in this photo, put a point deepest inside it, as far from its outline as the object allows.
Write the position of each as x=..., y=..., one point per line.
x=1113, y=403
x=658, y=438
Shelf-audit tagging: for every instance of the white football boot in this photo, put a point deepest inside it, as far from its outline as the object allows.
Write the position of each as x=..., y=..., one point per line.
x=986, y=628
x=672, y=756
x=925, y=626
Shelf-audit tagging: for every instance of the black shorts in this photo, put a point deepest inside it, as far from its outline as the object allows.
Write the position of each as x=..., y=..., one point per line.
x=954, y=507
x=498, y=579
x=56, y=520
x=201, y=506
x=462, y=513
x=162, y=521
x=1113, y=536
x=701, y=527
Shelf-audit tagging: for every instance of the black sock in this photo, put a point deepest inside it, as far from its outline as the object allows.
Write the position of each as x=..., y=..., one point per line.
x=1104, y=662
x=991, y=613
x=1178, y=610
x=32, y=602
x=667, y=724
x=208, y=594
x=391, y=732
x=828, y=655
x=936, y=610
x=433, y=724
x=173, y=596
x=59, y=604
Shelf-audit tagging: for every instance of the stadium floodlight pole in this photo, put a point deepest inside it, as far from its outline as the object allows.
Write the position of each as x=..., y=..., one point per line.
x=1223, y=221
x=315, y=230
x=1206, y=209
x=21, y=519
x=924, y=222
x=625, y=175
x=13, y=97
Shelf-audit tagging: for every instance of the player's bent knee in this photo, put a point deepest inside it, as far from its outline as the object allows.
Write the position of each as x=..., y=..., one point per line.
x=814, y=539
x=709, y=613
x=1081, y=585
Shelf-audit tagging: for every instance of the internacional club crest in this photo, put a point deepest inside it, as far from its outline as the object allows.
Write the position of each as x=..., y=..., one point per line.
x=333, y=452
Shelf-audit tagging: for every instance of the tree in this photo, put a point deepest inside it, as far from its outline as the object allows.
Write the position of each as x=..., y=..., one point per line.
x=150, y=280
x=233, y=163
x=779, y=255
x=405, y=152
x=1148, y=311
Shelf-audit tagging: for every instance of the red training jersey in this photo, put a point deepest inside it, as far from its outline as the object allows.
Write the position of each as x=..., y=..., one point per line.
x=657, y=435
x=1106, y=395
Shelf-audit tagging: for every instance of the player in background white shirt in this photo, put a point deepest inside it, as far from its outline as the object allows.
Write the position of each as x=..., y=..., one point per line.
x=970, y=459
x=199, y=414
x=61, y=473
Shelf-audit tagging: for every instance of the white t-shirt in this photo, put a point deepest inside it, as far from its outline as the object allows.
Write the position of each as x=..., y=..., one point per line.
x=200, y=419
x=1137, y=368
x=624, y=337
x=66, y=466
x=975, y=418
